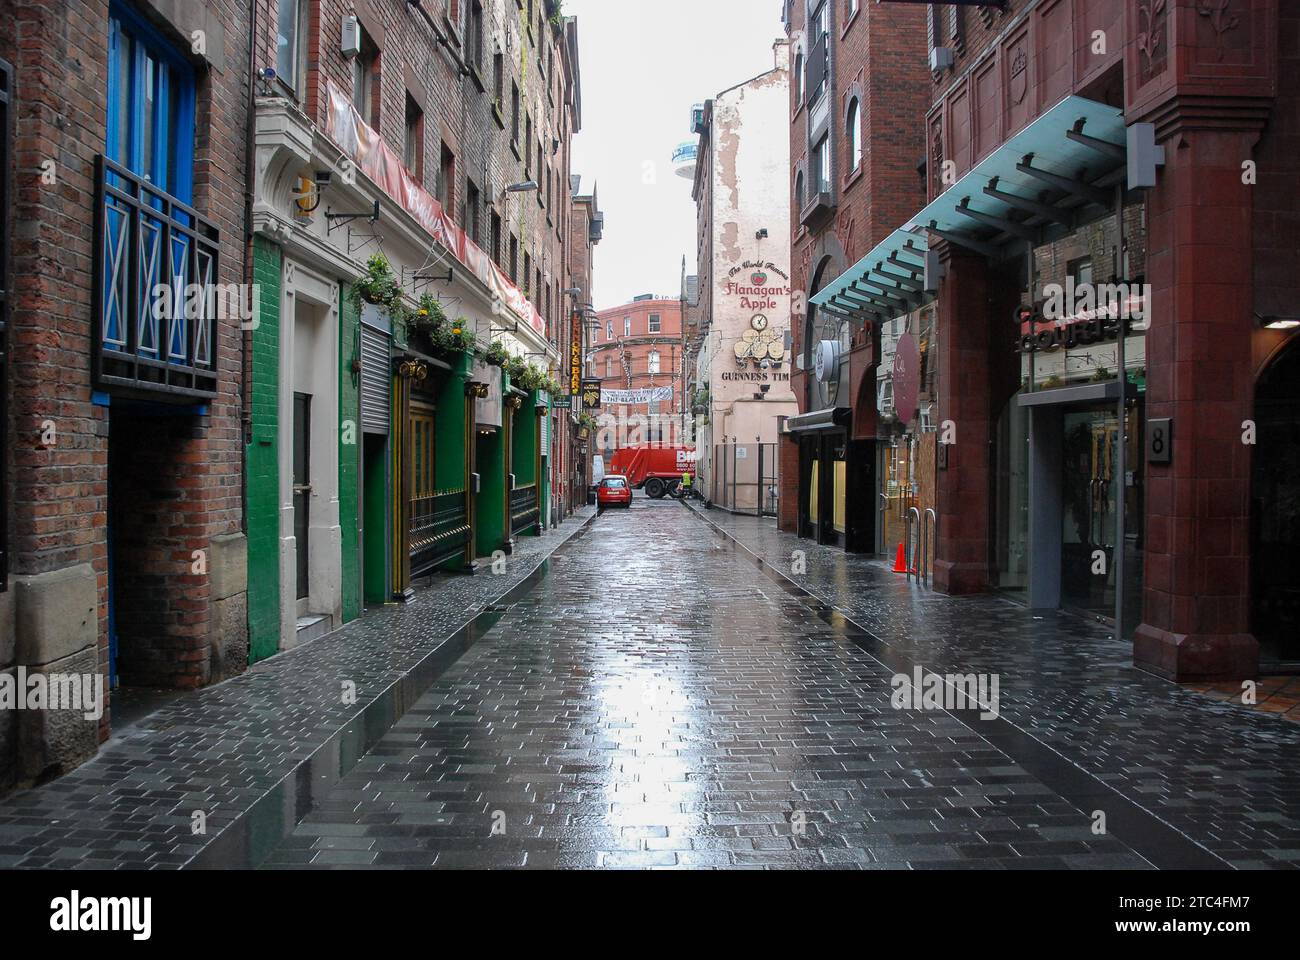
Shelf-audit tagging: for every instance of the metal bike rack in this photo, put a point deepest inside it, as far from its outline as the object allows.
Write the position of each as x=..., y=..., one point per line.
x=929, y=529
x=926, y=533
x=913, y=516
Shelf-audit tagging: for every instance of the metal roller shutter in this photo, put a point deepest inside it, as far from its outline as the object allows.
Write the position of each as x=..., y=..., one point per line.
x=376, y=380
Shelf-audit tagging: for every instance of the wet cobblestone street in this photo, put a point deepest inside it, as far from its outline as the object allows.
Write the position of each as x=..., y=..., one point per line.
x=690, y=713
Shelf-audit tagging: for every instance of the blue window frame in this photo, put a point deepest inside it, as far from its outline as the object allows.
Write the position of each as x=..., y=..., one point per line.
x=150, y=134
x=150, y=105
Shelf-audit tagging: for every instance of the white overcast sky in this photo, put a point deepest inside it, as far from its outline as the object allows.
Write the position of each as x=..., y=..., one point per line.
x=643, y=65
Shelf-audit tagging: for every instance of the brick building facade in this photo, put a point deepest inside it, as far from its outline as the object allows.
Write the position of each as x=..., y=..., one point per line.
x=1126, y=456
x=453, y=122
x=586, y=229
x=635, y=347
x=122, y=497
x=857, y=168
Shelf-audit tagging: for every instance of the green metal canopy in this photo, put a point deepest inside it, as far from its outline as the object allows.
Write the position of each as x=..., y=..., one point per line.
x=883, y=284
x=1043, y=179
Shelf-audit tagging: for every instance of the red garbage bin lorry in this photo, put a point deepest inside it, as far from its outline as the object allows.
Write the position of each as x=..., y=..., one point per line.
x=656, y=469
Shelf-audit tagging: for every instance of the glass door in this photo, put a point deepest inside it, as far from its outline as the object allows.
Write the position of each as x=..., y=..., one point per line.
x=1090, y=501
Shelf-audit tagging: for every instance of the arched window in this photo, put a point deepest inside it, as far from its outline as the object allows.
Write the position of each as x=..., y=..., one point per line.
x=796, y=82
x=854, y=138
x=798, y=193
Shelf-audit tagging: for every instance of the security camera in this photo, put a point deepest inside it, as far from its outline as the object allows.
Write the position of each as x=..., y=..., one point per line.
x=765, y=387
x=323, y=178
x=766, y=364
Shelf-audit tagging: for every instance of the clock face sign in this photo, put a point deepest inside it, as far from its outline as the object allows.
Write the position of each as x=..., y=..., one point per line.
x=759, y=322
x=825, y=360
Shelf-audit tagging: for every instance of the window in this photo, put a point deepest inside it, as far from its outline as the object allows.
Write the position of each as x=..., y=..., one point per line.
x=609, y=329
x=654, y=323
x=474, y=42
x=799, y=192
x=822, y=165
x=447, y=180
x=413, y=156
x=796, y=81
x=854, y=138
x=146, y=240
x=471, y=218
x=528, y=272
x=290, y=41
x=365, y=85
x=496, y=238
x=499, y=79
x=653, y=362
x=514, y=260
x=609, y=367
x=514, y=113
x=627, y=326
x=819, y=57
x=528, y=149
x=150, y=108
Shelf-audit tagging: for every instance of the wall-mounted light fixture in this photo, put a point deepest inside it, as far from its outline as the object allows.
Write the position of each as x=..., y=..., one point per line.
x=1278, y=323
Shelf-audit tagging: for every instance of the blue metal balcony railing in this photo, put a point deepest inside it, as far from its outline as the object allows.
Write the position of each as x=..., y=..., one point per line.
x=158, y=299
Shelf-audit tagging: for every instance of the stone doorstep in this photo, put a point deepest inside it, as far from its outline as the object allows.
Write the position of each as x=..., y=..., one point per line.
x=328, y=762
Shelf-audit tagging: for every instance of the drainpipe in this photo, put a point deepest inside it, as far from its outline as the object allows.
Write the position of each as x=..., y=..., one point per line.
x=246, y=334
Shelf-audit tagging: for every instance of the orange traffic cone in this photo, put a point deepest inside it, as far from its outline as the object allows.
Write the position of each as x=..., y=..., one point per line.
x=900, y=565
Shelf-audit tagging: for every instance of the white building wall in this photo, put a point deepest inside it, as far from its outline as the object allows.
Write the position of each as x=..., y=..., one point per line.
x=751, y=272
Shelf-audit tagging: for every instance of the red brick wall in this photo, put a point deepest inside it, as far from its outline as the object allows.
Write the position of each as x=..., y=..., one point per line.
x=637, y=348
x=61, y=492
x=460, y=116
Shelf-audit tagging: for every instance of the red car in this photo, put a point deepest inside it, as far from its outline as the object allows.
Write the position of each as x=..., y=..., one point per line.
x=614, y=491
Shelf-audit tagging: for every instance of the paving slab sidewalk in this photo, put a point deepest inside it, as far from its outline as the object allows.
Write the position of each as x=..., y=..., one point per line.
x=1223, y=775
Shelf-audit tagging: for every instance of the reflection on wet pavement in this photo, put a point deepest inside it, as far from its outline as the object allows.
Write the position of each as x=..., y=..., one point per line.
x=656, y=702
